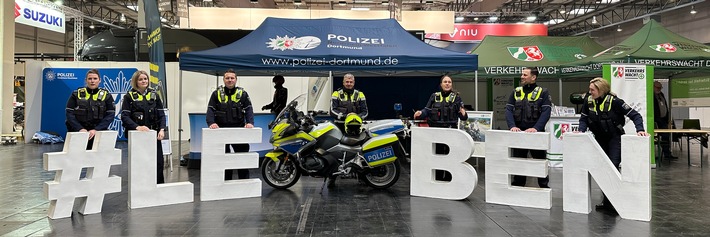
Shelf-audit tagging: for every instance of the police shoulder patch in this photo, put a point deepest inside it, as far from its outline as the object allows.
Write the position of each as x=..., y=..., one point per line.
x=626, y=106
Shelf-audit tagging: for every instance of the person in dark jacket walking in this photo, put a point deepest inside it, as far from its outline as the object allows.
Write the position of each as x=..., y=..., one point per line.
x=280, y=96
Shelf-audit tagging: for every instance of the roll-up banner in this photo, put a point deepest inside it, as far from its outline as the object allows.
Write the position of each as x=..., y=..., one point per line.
x=634, y=84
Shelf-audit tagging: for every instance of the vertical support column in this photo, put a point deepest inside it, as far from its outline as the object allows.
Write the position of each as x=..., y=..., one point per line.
x=78, y=35
x=7, y=70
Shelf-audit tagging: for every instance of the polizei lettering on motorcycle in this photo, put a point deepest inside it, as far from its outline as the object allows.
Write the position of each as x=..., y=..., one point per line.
x=359, y=40
x=42, y=17
x=379, y=154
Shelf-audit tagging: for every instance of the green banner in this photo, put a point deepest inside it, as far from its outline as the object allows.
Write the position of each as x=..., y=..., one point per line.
x=690, y=92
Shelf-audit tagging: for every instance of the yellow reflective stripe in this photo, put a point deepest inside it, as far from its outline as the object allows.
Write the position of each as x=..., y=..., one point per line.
x=321, y=131
x=274, y=155
x=519, y=94
x=382, y=141
x=296, y=136
x=383, y=161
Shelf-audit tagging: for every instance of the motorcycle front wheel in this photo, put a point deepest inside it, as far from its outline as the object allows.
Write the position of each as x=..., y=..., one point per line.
x=382, y=177
x=281, y=175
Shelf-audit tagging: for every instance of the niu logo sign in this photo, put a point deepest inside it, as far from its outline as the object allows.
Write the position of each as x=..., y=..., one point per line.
x=526, y=53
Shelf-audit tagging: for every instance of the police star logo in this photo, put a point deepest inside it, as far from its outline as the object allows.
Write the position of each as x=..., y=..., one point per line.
x=291, y=43
x=50, y=75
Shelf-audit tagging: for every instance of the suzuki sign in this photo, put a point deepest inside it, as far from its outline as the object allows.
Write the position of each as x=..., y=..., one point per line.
x=39, y=16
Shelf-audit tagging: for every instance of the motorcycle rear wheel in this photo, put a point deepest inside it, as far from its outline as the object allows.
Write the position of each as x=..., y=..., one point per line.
x=284, y=178
x=382, y=177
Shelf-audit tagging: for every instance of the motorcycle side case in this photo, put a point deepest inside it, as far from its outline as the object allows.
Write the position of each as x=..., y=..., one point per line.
x=386, y=126
x=379, y=150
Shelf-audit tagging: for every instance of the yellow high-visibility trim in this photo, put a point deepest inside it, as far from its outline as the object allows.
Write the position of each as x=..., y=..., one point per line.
x=321, y=131
x=383, y=140
x=274, y=155
x=383, y=161
x=301, y=134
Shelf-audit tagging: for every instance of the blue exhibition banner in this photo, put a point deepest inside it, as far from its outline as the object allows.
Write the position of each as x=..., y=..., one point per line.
x=156, y=54
x=59, y=83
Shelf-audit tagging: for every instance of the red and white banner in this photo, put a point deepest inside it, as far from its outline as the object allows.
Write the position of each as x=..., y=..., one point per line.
x=476, y=32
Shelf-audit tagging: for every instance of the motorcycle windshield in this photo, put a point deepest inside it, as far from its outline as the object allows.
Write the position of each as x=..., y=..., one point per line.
x=297, y=104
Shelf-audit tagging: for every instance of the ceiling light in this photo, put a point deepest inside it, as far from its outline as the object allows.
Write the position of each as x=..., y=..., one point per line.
x=254, y=1
x=458, y=19
x=360, y=8
x=123, y=18
x=92, y=26
x=531, y=18
x=385, y=2
x=297, y=2
x=594, y=20
x=342, y=3
x=429, y=1
x=207, y=0
x=618, y=29
x=562, y=10
x=692, y=10
x=493, y=18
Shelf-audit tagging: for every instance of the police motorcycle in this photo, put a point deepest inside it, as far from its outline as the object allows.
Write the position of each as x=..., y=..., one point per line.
x=303, y=146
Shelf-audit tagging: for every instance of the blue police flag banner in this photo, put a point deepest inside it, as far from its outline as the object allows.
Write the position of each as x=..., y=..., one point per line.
x=155, y=49
x=59, y=83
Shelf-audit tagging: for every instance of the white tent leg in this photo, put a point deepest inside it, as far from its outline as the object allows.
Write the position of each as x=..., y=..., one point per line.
x=179, y=152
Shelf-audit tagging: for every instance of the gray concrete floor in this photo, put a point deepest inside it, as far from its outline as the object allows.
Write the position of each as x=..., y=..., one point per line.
x=680, y=208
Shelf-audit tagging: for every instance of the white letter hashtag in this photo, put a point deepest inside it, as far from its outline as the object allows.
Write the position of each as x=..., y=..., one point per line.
x=68, y=163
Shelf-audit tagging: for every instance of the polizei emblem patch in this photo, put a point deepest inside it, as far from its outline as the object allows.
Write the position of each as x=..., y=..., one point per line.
x=526, y=53
x=291, y=43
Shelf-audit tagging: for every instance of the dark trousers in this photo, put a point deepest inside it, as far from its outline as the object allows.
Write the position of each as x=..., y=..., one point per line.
x=161, y=163
x=519, y=180
x=441, y=175
x=664, y=137
x=612, y=147
x=241, y=173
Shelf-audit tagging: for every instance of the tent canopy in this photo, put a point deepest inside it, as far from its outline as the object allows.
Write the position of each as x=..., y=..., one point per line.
x=506, y=56
x=653, y=44
x=313, y=47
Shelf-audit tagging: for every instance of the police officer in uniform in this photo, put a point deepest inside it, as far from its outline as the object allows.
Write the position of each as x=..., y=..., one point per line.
x=143, y=110
x=230, y=107
x=528, y=110
x=347, y=100
x=90, y=108
x=604, y=116
x=280, y=96
x=443, y=110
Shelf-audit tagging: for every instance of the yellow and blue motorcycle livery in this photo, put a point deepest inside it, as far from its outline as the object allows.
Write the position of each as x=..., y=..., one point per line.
x=304, y=147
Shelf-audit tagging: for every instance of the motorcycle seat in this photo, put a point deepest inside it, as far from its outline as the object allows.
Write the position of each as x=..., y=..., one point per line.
x=354, y=140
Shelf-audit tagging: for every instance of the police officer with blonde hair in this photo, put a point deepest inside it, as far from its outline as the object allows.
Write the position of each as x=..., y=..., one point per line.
x=604, y=116
x=528, y=110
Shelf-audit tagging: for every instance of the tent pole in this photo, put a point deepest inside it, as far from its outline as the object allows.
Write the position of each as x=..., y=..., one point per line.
x=560, y=99
x=475, y=86
x=180, y=119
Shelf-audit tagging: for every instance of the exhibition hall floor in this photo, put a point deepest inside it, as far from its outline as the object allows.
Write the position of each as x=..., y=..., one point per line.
x=681, y=203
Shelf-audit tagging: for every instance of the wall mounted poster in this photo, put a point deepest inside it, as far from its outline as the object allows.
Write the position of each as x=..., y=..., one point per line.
x=477, y=124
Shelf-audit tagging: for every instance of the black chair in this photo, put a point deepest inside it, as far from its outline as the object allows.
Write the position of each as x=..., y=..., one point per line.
x=691, y=124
